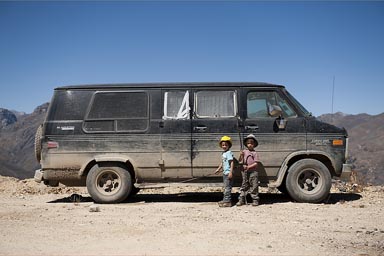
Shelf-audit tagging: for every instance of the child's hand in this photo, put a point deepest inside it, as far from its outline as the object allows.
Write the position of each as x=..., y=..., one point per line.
x=217, y=171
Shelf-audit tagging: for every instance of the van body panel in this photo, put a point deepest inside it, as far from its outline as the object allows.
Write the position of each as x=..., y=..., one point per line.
x=175, y=132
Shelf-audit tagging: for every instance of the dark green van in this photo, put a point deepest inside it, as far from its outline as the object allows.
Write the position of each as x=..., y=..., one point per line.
x=115, y=138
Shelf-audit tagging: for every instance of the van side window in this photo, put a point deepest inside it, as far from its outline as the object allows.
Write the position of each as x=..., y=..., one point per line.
x=259, y=104
x=117, y=112
x=287, y=109
x=69, y=105
x=176, y=105
x=215, y=104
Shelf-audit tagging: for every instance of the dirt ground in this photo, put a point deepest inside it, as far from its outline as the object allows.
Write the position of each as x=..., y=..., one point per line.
x=36, y=220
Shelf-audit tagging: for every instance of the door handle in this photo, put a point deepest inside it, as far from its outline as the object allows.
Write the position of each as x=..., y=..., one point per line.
x=251, y=127
x=200, y=128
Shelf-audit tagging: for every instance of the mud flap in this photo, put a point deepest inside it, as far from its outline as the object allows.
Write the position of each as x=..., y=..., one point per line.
x=346, y=173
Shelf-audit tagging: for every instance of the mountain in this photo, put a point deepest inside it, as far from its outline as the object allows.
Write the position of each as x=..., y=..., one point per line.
x=17, y=136
x=366, y=147
x=6, y=118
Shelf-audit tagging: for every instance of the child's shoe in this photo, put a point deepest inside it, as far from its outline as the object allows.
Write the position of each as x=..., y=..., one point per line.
x=240, y=203
x=225, y=204
x=220, y=202
x=255, y=203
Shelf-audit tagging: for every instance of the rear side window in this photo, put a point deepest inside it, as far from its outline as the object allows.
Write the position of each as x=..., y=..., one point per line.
x=118, y=112
x=69, y=105
x=215, y=104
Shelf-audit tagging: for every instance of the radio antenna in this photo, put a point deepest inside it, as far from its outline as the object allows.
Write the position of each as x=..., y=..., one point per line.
x=333, y=93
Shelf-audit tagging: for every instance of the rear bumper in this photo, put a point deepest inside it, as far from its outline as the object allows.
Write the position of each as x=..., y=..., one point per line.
x=346, y=172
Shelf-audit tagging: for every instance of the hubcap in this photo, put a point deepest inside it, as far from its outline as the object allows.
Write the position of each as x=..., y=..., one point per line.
x=309, y=180
x=108, y=182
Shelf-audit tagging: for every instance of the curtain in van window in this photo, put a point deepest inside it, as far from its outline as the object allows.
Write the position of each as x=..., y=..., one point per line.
x=215, y=104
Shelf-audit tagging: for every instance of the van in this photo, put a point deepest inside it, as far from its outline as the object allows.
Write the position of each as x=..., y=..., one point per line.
x=116, y=138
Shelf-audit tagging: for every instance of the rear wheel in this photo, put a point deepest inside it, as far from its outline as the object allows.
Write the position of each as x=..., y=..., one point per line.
x=309, y=181
x=38, y=137
x=109, y=183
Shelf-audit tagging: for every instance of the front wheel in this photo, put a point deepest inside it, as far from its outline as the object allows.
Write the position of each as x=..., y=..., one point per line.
x=308, y=181
x=109, y=183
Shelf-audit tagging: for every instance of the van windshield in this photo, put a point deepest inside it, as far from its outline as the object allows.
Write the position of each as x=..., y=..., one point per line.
x=298, y=104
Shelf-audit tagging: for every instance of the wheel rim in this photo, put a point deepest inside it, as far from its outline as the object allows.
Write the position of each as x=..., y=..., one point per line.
x=309, y=181
x=108, y=182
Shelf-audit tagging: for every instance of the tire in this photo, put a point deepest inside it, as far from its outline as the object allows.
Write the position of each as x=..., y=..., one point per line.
x=308, y=181
x=109, y=183
x=38, y=138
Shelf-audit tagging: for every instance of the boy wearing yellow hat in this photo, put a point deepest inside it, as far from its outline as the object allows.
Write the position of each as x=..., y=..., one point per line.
x=226, y=166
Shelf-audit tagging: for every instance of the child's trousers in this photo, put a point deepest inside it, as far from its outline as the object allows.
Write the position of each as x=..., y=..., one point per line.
x=227, y=188
x=250, y=185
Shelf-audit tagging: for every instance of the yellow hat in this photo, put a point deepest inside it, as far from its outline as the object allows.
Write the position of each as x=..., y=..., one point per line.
x=226, y=139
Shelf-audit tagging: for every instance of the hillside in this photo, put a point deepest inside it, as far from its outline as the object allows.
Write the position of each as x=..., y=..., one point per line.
x=366, y=147
x=17, y=136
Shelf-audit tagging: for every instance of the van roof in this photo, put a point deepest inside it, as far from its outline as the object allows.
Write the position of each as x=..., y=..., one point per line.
x=169, y=85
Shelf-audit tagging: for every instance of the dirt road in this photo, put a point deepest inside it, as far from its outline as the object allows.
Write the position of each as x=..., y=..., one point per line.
x=36, y=220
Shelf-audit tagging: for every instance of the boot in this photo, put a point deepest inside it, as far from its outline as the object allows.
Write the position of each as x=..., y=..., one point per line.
x=225, y=204
x=241, y=202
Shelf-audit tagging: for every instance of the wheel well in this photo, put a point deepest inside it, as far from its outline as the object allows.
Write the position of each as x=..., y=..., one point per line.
x=126, y=165
x=321, y=158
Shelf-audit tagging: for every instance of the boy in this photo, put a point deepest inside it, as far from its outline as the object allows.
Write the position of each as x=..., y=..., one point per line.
x=227, y=166
x=249, y=158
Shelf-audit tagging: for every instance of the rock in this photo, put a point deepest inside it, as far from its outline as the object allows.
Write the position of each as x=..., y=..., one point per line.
x=94, y=208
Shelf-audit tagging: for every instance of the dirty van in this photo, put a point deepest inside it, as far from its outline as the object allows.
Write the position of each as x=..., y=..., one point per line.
x=116, y=138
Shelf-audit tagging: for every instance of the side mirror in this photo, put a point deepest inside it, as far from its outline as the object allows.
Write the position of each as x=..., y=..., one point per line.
x=281, y=123
x=275, y=111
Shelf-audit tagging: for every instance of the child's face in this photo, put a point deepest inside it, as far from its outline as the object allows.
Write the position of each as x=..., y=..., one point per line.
x=225, y=145
x=250, y=143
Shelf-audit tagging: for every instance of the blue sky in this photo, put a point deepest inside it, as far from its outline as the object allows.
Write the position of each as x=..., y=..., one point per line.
x=301, y=45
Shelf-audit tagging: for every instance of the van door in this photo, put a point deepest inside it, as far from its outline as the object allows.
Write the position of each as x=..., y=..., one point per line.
x=176, y=161
x=214, y=115
x=274, y=144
